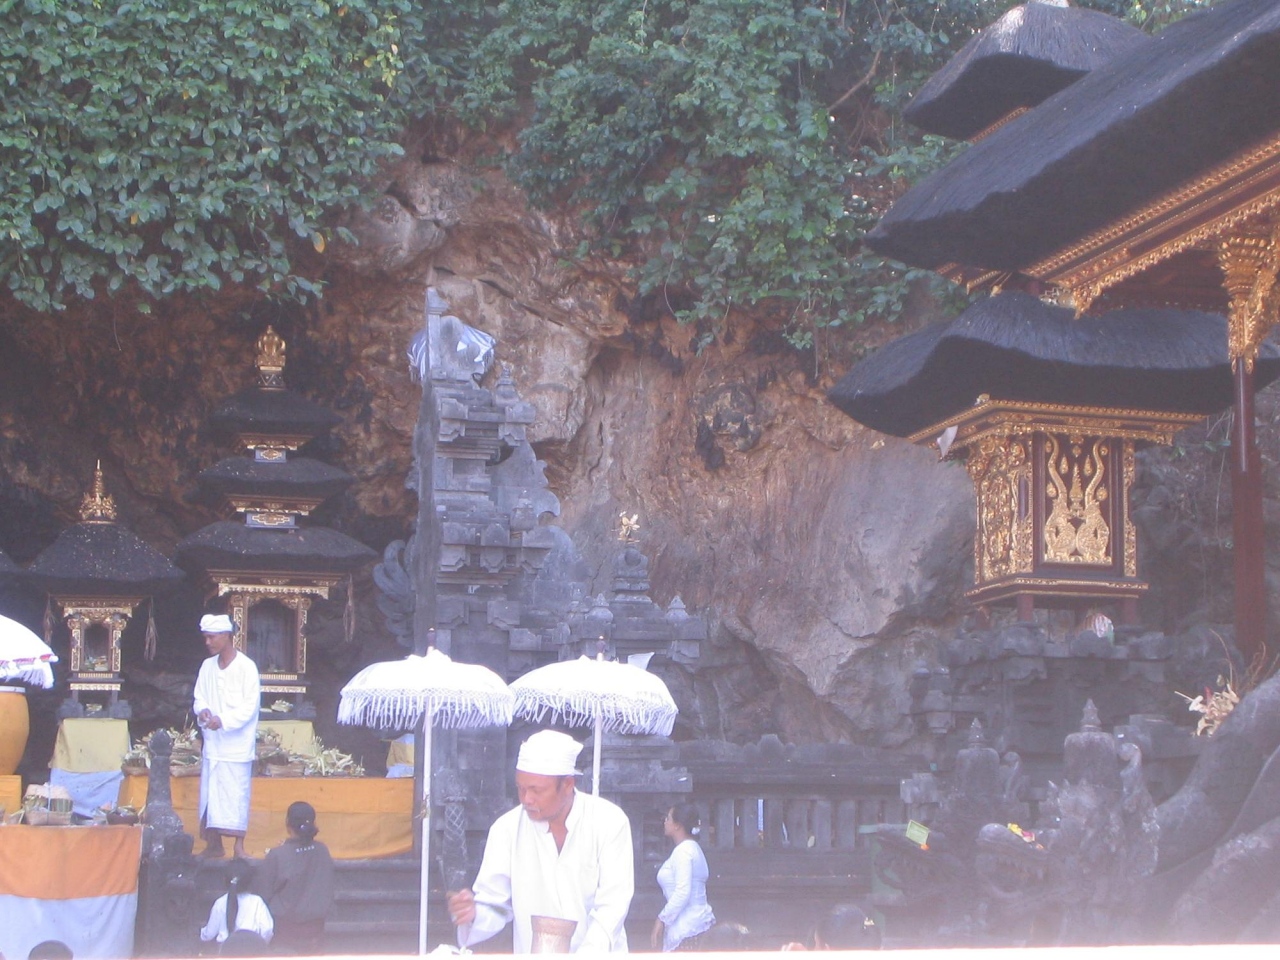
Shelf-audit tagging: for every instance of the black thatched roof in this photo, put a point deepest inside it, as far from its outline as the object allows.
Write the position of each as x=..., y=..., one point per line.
x=1020, y=60
x=1014, y=347
x=297, y=476
x=1203, y=90
x=228, y=545
x=101, y=559
x=273, y=411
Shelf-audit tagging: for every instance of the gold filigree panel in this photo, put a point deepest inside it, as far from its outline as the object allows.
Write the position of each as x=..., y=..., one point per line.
x=1077, y=487
x=1001, y=473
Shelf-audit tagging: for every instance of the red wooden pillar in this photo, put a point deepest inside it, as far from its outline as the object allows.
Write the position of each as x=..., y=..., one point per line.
x=1246, y=512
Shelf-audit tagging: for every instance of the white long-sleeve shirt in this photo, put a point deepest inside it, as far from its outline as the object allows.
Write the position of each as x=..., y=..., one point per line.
x=591, y=880
x=251, y=914
x=234, y=696
x=683, y=879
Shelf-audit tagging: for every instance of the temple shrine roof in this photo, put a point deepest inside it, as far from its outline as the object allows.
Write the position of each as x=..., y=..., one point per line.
x=1201, y=93
x=1015, y=63
x=98, y=557
x=1014, y=347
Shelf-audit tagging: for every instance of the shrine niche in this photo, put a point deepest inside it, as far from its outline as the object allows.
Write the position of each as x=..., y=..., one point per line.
x=271, y=566
x=1051, y=486
x=97, y=575
x=1047, y=411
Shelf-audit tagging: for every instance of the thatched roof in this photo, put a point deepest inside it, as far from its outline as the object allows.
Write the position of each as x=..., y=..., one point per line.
x=1020, y=60
x=101, y=559
x=1014, y=347
x=229, y=545
x=297, y=476
x=1204, y=89
x=273, y=411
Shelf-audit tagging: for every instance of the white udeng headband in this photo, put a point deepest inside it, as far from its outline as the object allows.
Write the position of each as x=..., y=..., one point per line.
x=213, y=623
x=550, y=754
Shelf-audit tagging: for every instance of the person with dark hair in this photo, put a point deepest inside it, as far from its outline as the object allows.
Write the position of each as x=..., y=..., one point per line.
x=237, y=909
x=845, y=926
x=683, y=879
x=296, y=880
x=50, y=950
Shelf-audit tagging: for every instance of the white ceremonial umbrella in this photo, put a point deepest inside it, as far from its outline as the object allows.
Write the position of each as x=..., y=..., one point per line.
x=608, y=695
x=24, y=656
x=429, y=689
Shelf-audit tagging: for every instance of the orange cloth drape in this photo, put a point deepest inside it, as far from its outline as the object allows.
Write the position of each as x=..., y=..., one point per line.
x=358, y=817
x=66, y=863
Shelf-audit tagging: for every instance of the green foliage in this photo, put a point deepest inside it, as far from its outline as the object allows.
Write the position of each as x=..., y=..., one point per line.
x=737, y=151
x=175, y=146
x=733, y=151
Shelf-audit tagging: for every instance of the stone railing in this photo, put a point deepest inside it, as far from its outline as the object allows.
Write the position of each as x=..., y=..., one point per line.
x=787, y=831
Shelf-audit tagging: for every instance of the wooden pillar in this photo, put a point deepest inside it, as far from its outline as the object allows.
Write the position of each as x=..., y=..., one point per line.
x=1250, y=261
x=1246, y=517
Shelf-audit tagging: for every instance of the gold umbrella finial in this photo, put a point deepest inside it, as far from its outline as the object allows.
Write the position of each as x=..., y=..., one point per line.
x=270, y=361
x=97, y=505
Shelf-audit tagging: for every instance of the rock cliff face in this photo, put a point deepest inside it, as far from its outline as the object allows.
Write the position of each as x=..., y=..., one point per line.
x=826, y=558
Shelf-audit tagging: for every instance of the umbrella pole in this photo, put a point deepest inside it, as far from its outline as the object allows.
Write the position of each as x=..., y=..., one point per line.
x=595, y=760
x=427, y=723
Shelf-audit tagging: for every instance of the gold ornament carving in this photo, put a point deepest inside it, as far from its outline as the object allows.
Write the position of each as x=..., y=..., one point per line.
x=1076, y=486
x=1130, y=531
x=1000, y=469
x=270, y=360
x=97, y=505
x=1250, y=261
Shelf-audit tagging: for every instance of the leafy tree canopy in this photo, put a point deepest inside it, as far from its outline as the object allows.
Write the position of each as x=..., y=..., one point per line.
x=733, y=151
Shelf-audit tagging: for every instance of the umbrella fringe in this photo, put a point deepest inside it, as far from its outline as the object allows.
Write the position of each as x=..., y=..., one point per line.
x=401, y=710
x=579, y=709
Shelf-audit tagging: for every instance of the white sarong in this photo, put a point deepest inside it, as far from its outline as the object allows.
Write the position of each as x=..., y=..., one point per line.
x=224, y=794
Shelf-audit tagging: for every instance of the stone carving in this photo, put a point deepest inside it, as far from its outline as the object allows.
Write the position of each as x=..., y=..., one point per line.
x=932, y=900
x=447, y=348
x=1077, y=878
x=1220, y=835
x=395, y=590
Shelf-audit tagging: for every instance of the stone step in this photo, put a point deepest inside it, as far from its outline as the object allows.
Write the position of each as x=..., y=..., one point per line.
x=371, y=937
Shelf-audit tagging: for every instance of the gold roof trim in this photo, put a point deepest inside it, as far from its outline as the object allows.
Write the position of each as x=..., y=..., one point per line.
x=1202, y=210
x=989, y=417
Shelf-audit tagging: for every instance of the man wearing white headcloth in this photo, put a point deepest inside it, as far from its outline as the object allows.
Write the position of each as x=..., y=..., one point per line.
x=227, y=700
x=560, y=853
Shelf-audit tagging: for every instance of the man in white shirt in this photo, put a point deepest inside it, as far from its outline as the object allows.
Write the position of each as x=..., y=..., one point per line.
x=227, y=700
x=560, y=854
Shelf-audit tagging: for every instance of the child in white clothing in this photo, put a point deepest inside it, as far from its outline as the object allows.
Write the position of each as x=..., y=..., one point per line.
x=237, y=909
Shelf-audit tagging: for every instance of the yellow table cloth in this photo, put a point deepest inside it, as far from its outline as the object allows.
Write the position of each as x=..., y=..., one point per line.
x=90, y=745
x=296, y=736
x=10, y=793
x=358, y=817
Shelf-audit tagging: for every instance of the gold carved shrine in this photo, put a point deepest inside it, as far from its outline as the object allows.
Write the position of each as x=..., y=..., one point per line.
x=96, y=625
x=1051, y=487
x=269, y=615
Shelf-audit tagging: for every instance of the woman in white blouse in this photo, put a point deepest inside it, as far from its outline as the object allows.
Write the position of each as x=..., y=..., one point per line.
x=238, y=909
x=683, y=879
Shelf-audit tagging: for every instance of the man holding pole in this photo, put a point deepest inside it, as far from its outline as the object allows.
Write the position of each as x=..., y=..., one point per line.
x=560, y=855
